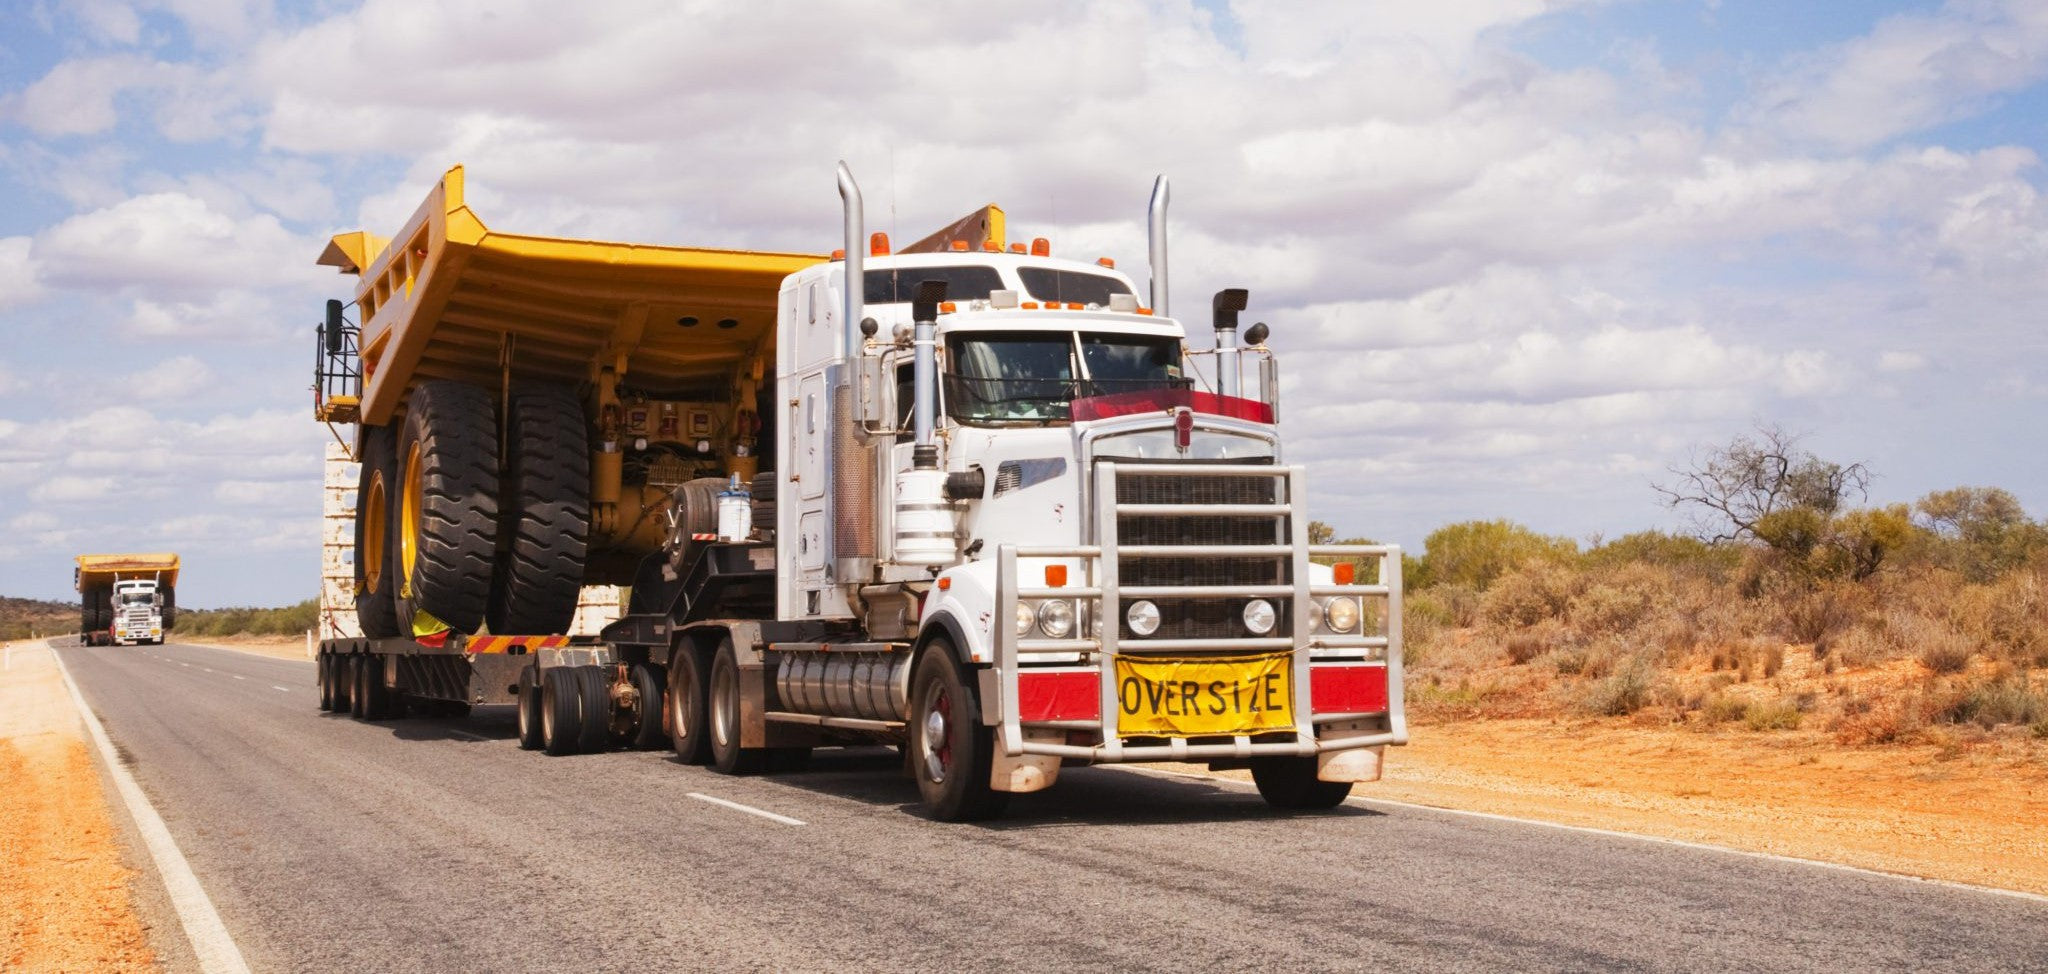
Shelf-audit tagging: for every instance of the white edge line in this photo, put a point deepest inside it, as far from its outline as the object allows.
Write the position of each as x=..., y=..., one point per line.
x=1639, y=837
x=749, y=809
x=276, y=687
x=238, y=676
x=211, y=942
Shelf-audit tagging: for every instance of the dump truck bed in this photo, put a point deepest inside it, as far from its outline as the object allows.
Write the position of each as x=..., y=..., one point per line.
x=108, y=569
x=449, y=298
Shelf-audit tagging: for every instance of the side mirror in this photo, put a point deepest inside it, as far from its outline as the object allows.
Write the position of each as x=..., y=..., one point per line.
x=332, y=329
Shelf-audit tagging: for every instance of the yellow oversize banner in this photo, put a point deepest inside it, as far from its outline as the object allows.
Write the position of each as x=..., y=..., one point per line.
x=1203, y=696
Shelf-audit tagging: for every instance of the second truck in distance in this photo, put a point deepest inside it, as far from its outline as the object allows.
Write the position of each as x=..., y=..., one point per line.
x=964, y=497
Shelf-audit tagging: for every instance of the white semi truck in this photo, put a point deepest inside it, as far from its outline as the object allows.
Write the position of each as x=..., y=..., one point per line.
x=127, y=599
x=1001, y=514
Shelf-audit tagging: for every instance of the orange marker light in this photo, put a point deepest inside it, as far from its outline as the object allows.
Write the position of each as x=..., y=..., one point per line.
x=992, y=247
x=1075, y=306
x=945, y=583
x=1017, y=248
x=1346, y=571
x=959, y=245
x=839, y=254
x=1041, y=247
x=1106, y=262
x=878, y=244
x=1029, y=306
x=1144, y=311
x=947, y=307
x=1055, y=576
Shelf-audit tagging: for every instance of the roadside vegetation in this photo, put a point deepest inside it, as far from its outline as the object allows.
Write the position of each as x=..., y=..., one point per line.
x=290, y=620
x=1787, y=608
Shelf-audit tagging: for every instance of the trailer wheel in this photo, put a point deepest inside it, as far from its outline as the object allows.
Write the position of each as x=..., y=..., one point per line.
x=686, y=704
x=647, y=732
x=358, y=675
x=1290, y=782
x=530, y=738
x=951, y=751
x=447, y=525
x=376, y=489
x=545, y=505
x=561, y=710
x=326, y=679
x=724, y=718
x=340, y=682
x=595, y=731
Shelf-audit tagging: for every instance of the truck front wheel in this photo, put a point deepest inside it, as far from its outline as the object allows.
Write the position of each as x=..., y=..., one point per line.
x=951, y=751
x=1290, y=782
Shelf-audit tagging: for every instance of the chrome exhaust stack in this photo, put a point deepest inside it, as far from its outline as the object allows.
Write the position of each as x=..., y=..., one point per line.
x=855, y=291
x=1155, y=218
x=1224, y=309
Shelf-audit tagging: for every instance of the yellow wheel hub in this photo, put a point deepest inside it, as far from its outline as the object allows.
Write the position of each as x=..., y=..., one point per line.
x=376, y=531
x=409, y=521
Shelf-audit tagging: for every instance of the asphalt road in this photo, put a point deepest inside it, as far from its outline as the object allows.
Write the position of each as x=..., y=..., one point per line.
x=437, y=845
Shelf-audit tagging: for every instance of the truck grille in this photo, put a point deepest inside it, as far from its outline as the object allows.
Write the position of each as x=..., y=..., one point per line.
x=1200, y=618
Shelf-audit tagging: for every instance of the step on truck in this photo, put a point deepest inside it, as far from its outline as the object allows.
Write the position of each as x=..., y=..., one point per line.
x=962, y=497
x=126, y=600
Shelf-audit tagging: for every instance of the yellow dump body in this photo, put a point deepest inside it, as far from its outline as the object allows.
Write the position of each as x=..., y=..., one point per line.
x=98, y=570
x=448, y=298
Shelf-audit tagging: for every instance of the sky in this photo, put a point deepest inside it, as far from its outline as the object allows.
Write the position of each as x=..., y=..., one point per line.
x=1519, y=257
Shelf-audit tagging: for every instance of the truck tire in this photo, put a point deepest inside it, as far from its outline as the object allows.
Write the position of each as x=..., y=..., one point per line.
x=723, y=694
x=647, y=685
x=595, y=731
x=686, y=704
x=561, y=710
x=530, y=738
x=357, y=673
x=950, y=750
x=447, y=527
x=376, y=580
x=1290, y=782
x=326, y=680
x=340, y=680
x=545, y=503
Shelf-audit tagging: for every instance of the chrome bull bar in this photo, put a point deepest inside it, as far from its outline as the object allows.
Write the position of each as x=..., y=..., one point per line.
x=1100, y=587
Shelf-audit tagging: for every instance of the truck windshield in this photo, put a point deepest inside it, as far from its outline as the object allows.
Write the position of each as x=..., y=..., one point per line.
x=1032, y=378
x=968, y=282
x=135, y=598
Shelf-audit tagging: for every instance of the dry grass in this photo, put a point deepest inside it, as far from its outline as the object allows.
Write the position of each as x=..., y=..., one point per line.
x=1910, y=657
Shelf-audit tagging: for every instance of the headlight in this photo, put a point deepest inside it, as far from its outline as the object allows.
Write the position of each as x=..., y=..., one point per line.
x=1259, y=616
x=1341, y=615
x=1056, y=618
x=1026, y=617
x=1142, y=617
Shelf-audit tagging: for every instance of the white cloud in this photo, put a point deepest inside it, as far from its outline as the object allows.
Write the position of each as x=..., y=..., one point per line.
x=171, y=380
x=1896, y=361
x=172, y=244
x=72, y=490
x=19, y=277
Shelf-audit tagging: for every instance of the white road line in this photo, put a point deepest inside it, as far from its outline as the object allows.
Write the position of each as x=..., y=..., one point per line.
x=10, y=658
x=208, y=669
x=183, y=663
x=1365, y=802
x=749, y=809
x=467, y=736
x=211, y=942
x=238, y=676
x=276, y=687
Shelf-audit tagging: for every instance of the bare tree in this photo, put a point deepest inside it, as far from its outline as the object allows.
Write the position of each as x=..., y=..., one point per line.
x=1728, y=489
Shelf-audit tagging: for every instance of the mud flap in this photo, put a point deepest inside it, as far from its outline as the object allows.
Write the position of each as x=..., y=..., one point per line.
x=1025, y=772
x=1352, y=764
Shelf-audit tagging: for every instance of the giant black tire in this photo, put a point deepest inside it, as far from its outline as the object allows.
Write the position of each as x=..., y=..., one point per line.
x=530, y=738
x=357, y=674
x=1290, y=782
x=561, y=710
x=951, y=750
x=686, y=704
x=97, y=608
x=596, y=730
x=170, y=608
x=647, y=687
x=447, y=526
x=723, y=696
x=376, y=493
x=545, y=504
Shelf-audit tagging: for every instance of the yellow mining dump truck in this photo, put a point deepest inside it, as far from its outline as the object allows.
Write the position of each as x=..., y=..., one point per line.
x=525, y=406
x=126, y=599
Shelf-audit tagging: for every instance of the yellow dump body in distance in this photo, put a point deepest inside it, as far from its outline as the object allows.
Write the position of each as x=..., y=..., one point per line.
x=97, y=570
x=449, y=298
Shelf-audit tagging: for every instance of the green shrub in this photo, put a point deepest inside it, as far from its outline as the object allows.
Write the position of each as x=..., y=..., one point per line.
x=2006, y=701
x=1529, y=595
x=1772, y=715
x=1475, y=553
x=1623, y=692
